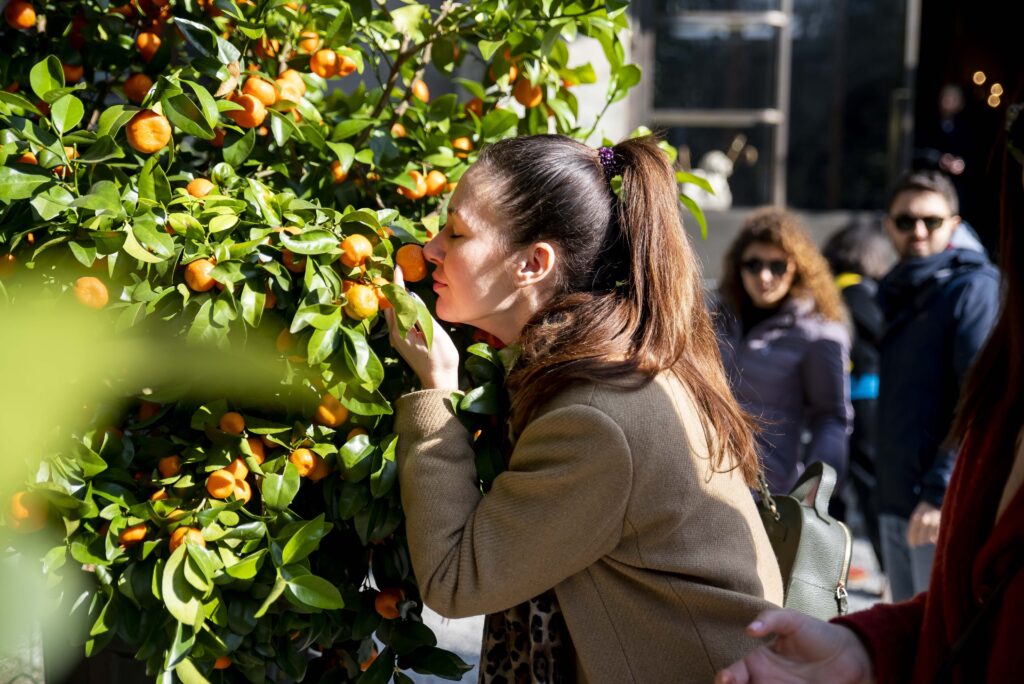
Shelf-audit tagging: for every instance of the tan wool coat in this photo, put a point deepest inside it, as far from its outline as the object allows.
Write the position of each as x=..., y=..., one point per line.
x=657, y=562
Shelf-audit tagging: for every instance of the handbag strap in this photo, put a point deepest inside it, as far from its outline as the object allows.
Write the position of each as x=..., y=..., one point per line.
x=822, y=476
x=767, y=500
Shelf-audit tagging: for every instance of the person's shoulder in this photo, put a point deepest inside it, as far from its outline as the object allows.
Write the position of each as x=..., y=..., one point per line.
x=814, y=327
x=971, y=272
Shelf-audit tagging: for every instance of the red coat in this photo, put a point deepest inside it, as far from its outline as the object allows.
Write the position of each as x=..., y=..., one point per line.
x=909, y=642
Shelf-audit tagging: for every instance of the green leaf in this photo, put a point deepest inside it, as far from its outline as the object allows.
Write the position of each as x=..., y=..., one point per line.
x=280, y=489
x=344, y=152
x=253, y=302
x=66, y=113
x=179, y=596
x=361, y=360
x=489, y=47
x=623, y=78
x=363, y=402
x=322, y=344
x=181, y=111
x=310, y=242
x=206, y=103
x=692, y=179
x=383, y=478
x=104, y=149
x=498, y=122
x=52, y=202
x=102, y=197
x=46, y=75
x=698, y=214
x=282, y=127
x=305, y=540
x=181, y=645
x=354, y=458
x=437, y=662
x=222, y=222
x=315, y=592
x=238, y=152
x=350, y=127
x=151, y=237
x=248, y=567
x=113, y=119
x=153, y=184
x=18, y=184
x=188, y=673
x=15, y=100
x=408, y=19
x=426, y=322
x=482, y=399
x=208, y=43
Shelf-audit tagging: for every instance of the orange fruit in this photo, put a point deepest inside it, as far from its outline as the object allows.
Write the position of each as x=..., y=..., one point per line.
x=186, y=535
x=147, y=409
x=320, y=470
x=386, y=603
x=238, y=469
x=136, y=87
x=243, y=491
x=324, y=63
x=295, y=78
x=436, y=181
x=416, y=192
x=148, y=132
x=355, y=250
x=355, y=432
x=27, y=158
x=169, y=466
x=28, y=512
x=463, y=144
x=362, y=302
x=365, y=665
x=346, y=65
x=252, y=113
x=304, y=460
x=290, y=92
x=148, y=44
x=309, y=41
x=197, y=275
x=398, y=130
x=132, y=535
x=256, y=447
x=222, y=663
x=420, y=91
x=476, y=106
x=199, y=187
x=20, y=15
x=72, y=72
x=232, y=423
x=330, y=413
x=91, y=292
x=220, y=484
x=8, y=264
x=218, y=137
x=382, y=301
x=527, y=94
x=338, y=172
x=159, y=495
x=414, y=266
x=293, y=262
x=266, y=47
x=284, y=341
x=261, y=90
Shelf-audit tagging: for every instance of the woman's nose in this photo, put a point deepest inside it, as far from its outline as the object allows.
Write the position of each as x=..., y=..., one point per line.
x=432, y=251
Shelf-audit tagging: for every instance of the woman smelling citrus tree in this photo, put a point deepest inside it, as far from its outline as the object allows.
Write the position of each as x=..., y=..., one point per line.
x=623, y=526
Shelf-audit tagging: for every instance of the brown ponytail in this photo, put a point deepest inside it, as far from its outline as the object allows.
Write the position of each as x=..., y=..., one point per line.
x=630, y=301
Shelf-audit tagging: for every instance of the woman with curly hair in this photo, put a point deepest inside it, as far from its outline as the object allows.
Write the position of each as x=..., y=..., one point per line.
x=785, y=343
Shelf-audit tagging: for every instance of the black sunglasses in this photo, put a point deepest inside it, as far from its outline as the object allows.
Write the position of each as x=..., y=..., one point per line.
x=755, y=266
x=905, y=223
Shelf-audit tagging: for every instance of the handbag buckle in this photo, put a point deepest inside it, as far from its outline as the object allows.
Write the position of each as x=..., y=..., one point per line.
x=841, y=598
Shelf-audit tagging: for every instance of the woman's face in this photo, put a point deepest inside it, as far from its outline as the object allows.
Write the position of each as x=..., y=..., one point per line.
x=473, y=268
x=767, y=273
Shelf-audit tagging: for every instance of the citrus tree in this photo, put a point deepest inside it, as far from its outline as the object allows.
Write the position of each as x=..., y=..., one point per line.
x=246, y=176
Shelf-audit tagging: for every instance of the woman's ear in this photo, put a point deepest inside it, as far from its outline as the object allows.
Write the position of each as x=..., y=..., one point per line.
x=535, y=264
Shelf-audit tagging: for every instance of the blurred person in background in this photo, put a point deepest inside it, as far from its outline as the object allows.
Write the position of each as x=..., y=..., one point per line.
x=860, y=255
x=967, y=627
x=785, y=344
x=939, y=303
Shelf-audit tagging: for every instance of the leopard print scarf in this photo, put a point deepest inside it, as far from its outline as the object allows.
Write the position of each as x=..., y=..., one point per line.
x=528, y=644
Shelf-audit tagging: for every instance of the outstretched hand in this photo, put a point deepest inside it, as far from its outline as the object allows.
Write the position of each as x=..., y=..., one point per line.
x=804, y=650
x=436, y=367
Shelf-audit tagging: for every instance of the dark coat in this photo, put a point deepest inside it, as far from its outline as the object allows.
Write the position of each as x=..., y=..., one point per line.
x=909, y=641
x=791, y=372
x=860, y=296
x=938, y=312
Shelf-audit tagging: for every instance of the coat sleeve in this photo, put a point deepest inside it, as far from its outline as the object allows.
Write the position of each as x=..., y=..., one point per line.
x=825, y=377
x=889, y=632
x=558, y=508
x=974, y=314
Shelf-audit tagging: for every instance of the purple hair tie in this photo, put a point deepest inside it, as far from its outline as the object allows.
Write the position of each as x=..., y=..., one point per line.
x=610, y=162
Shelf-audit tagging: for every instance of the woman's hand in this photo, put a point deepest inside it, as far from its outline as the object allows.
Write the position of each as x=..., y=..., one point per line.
x=437, y=367
x=804, y=650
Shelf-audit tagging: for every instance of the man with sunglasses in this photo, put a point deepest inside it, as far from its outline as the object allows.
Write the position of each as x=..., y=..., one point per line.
x=940, y=302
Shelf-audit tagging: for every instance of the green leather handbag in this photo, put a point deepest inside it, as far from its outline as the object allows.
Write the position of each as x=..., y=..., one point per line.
x=813, y=548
